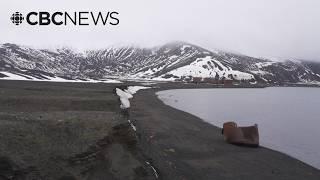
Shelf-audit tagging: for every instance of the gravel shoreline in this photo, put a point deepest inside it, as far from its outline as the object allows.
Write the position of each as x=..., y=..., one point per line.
x=183, y=146
x=77, y=131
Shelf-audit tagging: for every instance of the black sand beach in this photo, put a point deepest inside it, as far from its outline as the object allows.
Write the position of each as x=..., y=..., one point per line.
x=77, y=131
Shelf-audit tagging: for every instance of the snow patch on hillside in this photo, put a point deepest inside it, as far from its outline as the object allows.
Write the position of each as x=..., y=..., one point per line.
x=264, y=64
x=24, y=77
x=184, y=47
x=11, y=76
x=260, y=72
x=209, y=67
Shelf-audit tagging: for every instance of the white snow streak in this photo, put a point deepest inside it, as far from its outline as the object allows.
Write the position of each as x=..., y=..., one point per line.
x=134, y=89
x=124, y=98
x=24, y=77
x=128, y=94
x=132, y=125
x=11, y=76
x=154, y=170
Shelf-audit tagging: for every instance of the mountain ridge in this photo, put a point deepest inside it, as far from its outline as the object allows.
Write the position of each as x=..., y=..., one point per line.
x=174, y=61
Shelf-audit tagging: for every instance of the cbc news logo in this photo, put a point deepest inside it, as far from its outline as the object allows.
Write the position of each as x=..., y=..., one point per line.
x=17, y=18
x=78, y=18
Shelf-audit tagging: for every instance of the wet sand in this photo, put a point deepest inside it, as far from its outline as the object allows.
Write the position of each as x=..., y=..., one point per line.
x=70, y=131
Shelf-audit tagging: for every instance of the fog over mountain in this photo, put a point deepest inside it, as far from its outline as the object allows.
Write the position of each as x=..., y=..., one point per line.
x=175, y=61
x=260, y=28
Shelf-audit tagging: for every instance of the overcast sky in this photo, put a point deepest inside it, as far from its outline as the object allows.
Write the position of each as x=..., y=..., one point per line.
x=261, y=28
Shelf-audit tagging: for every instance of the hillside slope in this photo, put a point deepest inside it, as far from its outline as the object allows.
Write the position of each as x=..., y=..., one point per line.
x=172, y=61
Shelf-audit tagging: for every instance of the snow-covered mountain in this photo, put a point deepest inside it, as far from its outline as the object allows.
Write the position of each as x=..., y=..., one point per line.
x=173, y=61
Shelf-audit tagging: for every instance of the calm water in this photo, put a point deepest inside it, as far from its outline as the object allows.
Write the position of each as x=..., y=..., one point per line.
x=288, y=118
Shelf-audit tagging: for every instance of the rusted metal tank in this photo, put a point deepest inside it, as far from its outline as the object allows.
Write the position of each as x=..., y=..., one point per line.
x=246, y=136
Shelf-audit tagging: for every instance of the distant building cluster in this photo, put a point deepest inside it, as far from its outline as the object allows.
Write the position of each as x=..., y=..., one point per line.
x=208, y=80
